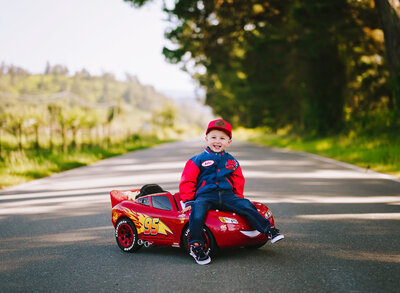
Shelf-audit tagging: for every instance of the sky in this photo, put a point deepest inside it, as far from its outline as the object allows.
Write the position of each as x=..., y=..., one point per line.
x=98, y=35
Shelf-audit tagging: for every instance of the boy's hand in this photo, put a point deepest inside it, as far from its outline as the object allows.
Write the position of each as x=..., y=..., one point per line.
x=186, y=209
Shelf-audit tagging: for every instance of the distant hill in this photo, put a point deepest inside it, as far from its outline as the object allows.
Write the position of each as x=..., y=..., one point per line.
x=57, y=86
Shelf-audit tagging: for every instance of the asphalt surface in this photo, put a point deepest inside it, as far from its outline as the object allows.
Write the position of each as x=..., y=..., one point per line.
x=341, y=227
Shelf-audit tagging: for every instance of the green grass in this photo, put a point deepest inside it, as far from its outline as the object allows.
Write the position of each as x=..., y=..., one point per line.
x=18, y=167
x=380, y=153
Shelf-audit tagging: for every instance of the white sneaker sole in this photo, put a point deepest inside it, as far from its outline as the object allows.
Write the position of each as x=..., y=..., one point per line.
x=277, y=238
x=201, y=262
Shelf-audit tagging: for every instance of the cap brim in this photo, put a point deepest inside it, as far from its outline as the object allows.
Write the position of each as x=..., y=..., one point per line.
x=221, y=129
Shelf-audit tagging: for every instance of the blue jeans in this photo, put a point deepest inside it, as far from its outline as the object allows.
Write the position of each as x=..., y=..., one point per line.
x=227, y=201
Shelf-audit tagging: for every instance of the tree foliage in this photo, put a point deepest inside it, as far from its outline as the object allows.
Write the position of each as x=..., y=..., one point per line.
x=308, y=65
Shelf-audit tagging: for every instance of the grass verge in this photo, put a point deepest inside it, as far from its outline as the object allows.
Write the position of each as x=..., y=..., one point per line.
x=380, y=153
x=18, y=167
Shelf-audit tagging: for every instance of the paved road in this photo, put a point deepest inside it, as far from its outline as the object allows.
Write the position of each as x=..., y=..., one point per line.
x=341, y=226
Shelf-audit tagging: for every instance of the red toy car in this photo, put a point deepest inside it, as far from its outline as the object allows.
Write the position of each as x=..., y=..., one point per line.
x=152, y=216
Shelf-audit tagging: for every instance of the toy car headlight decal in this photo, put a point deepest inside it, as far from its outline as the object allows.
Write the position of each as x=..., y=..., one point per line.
x=227, y=220
x=253, y=233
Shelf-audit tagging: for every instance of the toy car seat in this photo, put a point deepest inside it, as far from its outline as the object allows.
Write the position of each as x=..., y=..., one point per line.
x=149, y=189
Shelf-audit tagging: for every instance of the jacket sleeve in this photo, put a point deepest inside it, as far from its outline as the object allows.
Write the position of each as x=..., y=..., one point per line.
x=237, y=179
x=187, y=186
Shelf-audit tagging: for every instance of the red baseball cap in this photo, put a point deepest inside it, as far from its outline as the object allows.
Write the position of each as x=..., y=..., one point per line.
x=220, y=124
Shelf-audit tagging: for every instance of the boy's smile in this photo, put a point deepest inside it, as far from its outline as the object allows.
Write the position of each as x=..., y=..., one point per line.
x=218, y=140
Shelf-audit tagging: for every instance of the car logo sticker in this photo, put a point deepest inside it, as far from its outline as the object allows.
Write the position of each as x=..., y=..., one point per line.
x=207, y=163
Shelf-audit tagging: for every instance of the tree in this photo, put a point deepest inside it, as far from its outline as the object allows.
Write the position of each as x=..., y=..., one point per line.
x=90, y=120
x=2, y=126
x=281, y=63
x=54, y=110
x=36, y=117
x=73, y=119
x=165, y=116
x=15, y=121
x=389, y=14
x=323, y=25
x=62, y=121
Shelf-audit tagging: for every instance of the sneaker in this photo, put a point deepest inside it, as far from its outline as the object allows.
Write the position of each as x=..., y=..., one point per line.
x=197, y=251
x=274, y=235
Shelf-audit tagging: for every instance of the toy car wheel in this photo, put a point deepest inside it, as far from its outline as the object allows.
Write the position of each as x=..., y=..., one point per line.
x=127, y=236
x=256, y=246
x=210, y=245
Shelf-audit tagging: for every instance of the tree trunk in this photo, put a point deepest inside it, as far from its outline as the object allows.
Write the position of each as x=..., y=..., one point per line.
x=37, y=144
x=64, y=138
x=389, y=14
x=19, y=131
x=1, y=145
x=51, y=145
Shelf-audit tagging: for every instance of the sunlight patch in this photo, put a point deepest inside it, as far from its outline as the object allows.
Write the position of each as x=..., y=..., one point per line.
x=367, y=216
x=393, y=200
x=366, y=256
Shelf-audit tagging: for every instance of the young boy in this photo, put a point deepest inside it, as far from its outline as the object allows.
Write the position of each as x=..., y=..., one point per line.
x=214, y=180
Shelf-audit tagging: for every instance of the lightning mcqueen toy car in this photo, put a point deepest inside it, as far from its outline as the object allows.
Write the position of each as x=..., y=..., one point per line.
x=152, y=216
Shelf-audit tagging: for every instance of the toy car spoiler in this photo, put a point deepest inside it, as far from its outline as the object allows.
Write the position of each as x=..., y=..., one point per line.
x=118, y=196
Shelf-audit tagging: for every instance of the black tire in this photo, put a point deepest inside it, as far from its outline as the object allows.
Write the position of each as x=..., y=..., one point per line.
x=210, y=245
x=126, y=235
x=256, y=246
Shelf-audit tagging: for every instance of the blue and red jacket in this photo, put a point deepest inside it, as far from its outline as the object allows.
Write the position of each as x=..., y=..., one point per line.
x=209, y=172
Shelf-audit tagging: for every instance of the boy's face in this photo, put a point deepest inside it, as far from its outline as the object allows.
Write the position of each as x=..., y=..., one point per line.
x=218, y=140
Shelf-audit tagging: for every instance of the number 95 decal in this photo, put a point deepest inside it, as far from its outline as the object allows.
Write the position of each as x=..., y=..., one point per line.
x=154, y=226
